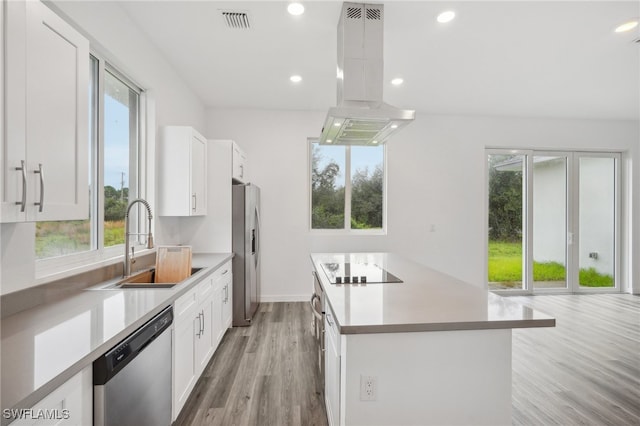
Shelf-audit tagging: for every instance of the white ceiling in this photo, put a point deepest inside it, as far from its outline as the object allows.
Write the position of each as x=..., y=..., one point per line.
x=538, y=58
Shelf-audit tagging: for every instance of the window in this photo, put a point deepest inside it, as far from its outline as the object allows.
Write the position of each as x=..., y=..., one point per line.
x=113, y=172
x=553, y=221
x=347, y=187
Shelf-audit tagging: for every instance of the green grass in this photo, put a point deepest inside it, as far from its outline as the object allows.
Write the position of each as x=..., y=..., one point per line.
x=505, y=266
x=68, y=237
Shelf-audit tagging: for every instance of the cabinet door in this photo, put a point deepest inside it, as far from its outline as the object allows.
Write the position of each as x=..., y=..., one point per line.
x=332, y=372
x=198, y=176
x=206, y=335
x=14, y=182
x=70, y=404
x=184, y=368
x=57, y=116
x=238, y=161
x=227, y=313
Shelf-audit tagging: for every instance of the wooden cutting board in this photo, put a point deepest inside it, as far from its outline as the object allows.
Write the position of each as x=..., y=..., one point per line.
x=173, y=264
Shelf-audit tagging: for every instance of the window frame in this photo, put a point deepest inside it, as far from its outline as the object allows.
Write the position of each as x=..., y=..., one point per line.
x=347, y=230
x=52, y=268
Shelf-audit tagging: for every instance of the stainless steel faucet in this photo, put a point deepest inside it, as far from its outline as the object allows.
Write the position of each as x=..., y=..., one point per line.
x=129, y=260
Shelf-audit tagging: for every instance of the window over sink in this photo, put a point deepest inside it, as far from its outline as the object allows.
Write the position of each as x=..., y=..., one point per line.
x=115, y=125
x=347, y=188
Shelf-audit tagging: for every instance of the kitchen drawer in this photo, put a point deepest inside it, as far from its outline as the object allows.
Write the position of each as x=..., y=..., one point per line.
x=204, y=289
x=185, y=304
x=223, y=273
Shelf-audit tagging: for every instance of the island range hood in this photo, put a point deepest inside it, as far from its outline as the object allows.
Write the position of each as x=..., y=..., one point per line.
x=361, y=117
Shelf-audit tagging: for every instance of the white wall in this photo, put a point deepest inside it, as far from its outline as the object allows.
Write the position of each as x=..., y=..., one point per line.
x=436, y=179
x=126, y=47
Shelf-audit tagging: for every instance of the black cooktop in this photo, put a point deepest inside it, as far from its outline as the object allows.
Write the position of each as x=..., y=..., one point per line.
x=358, y=273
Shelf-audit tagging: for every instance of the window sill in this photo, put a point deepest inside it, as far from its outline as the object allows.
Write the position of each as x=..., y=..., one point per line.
x=348, y=232
x=49, y=270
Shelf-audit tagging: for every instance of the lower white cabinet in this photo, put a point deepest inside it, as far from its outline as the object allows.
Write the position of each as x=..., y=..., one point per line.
x=201, y=318
x=332, y=368
x=193, y=340
x=70, y=404
x=224, y=302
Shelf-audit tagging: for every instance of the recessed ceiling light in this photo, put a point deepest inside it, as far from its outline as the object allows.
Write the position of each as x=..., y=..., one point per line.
x=329, y=141
x=397, y=81
x=295, y=78
x=295, y=9
x=627, y=26
x=374, y=142
x=394, y=126
x=337, y=124
x=447, y=16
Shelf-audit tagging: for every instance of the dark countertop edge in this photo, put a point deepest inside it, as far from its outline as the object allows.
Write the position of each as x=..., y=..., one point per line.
x=446, y=326
x=44, y=390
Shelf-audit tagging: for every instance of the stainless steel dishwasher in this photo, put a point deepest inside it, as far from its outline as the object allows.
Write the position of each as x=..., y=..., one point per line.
x=132, y=381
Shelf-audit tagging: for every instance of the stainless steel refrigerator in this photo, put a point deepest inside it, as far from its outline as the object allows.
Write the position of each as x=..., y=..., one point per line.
x=246, y=247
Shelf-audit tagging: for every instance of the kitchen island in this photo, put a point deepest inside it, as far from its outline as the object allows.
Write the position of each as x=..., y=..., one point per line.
x=430, y=349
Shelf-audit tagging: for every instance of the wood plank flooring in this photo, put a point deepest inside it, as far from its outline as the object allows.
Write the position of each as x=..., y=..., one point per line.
x=264, y=374
x=585, y=371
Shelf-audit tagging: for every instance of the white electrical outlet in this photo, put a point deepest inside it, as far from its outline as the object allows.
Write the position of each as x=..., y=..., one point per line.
x=368, y=388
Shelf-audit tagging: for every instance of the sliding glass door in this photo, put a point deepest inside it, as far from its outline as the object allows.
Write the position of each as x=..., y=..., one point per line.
x=597, y=207
x=552, y=221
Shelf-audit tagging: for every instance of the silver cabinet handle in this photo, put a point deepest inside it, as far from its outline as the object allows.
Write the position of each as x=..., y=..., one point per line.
x=241, y=170
x=202, y=322
x=23, y=201
x=199, y=325
x=225, y=272
x=226, y=293
x=194, y=204
x=41, y=172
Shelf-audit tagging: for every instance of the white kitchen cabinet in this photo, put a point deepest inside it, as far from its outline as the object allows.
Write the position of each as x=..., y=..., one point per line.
x=194, y=339
x=206, y=335
x=182, y=172
x=186, y=325
x=238, y=161
x=332, y=368
x=46, y=116
x=70, y=404
x=227, y=298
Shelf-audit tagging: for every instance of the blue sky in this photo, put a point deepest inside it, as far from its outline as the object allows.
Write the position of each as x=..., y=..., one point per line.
x=116, y=142
x=361, y=157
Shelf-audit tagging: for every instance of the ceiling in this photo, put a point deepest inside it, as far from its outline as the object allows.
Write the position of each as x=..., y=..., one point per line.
x=507, y=58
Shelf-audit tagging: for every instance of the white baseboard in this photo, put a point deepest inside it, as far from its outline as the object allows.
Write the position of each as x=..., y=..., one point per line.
x=266, y=298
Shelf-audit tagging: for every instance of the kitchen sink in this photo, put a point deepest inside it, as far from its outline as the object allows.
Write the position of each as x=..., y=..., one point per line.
x=142, y=279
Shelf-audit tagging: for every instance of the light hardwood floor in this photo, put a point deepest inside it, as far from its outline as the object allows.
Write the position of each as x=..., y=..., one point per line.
x=585, y=371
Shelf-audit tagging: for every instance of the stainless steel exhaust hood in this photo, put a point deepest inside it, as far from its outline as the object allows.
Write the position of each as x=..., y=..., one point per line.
x=361, y=117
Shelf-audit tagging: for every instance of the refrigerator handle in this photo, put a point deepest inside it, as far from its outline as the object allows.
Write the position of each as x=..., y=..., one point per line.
x=253, y=241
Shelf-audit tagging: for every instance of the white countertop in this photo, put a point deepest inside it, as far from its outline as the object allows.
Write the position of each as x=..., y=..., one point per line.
x=426, y=300
x=43, y=347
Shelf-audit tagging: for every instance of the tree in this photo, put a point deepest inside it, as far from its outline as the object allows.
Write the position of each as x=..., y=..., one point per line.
x=505, y=202
x=366, y=198
x=327, y=200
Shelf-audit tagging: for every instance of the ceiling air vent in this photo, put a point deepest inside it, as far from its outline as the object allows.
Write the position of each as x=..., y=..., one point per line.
x=236, y=19
x=354, y=12
x=374, y=14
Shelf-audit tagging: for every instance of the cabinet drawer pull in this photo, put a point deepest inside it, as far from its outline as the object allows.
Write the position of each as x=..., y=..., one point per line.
x=23, y=201
x=40, y=171
x=194, y=198
x=225, y=272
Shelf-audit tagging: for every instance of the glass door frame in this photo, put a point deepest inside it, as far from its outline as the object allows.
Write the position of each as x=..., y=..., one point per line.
x=572, y=247
x=574, y=286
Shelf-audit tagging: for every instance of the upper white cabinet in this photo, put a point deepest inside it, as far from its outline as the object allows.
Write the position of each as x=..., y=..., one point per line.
x=46, y=83
x=182, y=172
x=238, y=160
